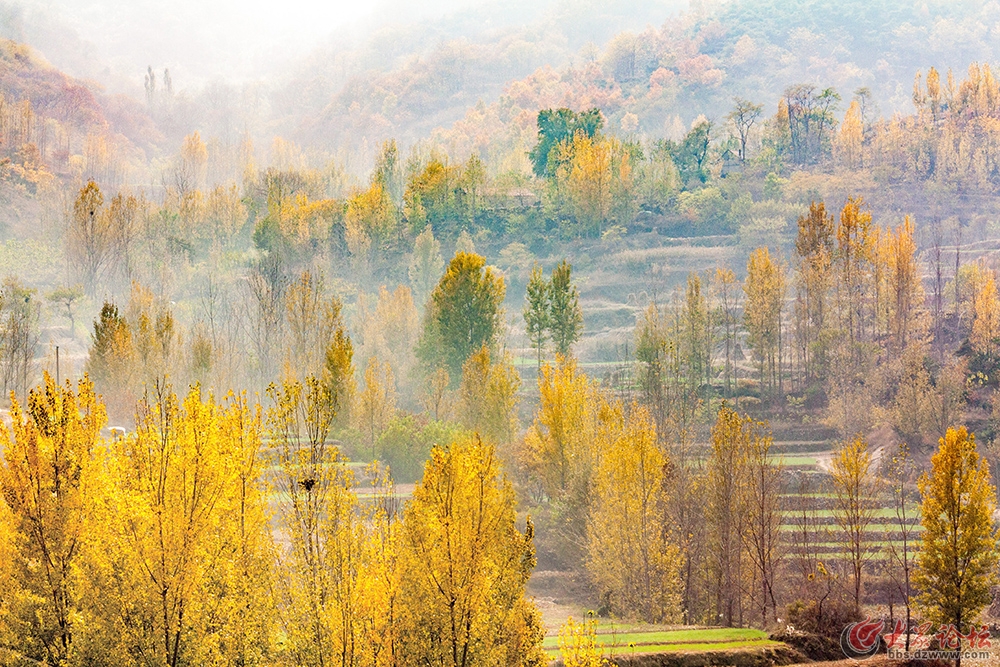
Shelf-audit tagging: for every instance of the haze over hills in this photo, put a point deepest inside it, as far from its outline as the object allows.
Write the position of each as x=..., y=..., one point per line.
x=405, y=334
x=405, y=73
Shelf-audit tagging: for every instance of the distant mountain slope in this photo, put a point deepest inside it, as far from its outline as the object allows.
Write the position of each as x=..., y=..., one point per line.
x=56, y=129
x=655, y=83
x=79, y=107
x=406, y=80
x=661, y=77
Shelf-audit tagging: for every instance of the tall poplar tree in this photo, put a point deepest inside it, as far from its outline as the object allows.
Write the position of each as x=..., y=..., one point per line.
x=465, y=313
x=958, y=558
x=565, y=314
x=536, y=311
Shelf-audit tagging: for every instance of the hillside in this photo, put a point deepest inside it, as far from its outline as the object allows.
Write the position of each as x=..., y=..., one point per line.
x=655, y=83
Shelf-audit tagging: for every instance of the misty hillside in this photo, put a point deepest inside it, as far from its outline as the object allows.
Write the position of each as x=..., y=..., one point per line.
x=687, y=65
x=486, y=333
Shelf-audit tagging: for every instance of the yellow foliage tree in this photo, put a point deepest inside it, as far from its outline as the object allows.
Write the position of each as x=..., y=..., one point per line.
x=317, y=577
x=558, y=446
x=629, y=556
x=376, y=403
x=856, y=499
x=465, y=565
x=370, y=220
x=488, y=397
x=849, y=141
x=957, y=561
x=906, y=292
x=579, y=646
x=46, y=479
x=985, y=336
x=765, y=291
x=178, y=550
x=586, y=177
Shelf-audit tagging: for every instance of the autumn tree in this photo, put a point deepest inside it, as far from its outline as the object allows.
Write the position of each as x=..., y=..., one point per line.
x=370, y=222
x=190, y=169
x=376, y=402
x=316, y=583
x=488, y=397
x=47, y=483
x=848, y=144
x=466, y=565
x=585, y=179
x=853, y=261
x=464, y=314
x=156, y=337
x=426, y=265
x=389, y=329
x=579, y=645
x=726, y=516
x=856, y=485
x=629, y=557
x=958, y=556
x=90, y=239
x=173, y=491
x=565, y=315
x=985, y=335
x=765, y=292
x=906, y=295
x=178, y=558
x=560, y=449
x=315, y=326
x=814, y=247
x=536, y=311
x=696, y=343
x=435, y=394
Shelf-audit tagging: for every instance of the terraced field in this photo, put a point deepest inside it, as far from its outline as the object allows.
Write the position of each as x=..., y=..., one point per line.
x=624, y=639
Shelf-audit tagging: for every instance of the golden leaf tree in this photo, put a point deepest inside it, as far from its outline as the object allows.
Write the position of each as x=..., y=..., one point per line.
x=765, y=291
x=376, y=402
x=985, y=336
x=587, y=180
x=46, y=479
x=488, y=398
x=856, y=488
x=178, y=553
x=957, y=561
x=813, y=277
x=629, y=557
x=465, y=565
x=558, y=446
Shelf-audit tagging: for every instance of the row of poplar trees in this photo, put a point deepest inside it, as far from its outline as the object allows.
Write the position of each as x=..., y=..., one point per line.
x=222, y=533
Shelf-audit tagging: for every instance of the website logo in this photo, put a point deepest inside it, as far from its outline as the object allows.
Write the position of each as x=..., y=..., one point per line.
x=861, y=640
